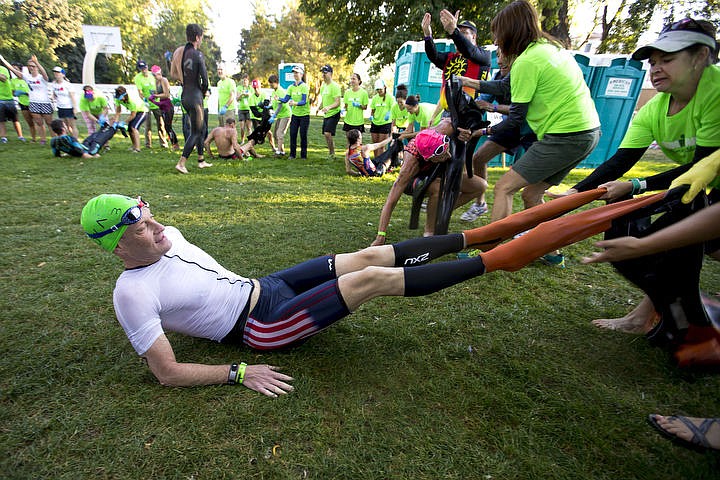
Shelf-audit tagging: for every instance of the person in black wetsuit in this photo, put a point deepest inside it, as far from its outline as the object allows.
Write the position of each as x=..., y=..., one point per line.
x=188, y=65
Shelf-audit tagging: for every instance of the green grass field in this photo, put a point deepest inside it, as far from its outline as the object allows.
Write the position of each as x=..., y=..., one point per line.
x=502, y=377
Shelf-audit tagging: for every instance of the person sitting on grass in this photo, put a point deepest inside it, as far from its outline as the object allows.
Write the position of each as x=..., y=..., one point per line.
x=225, y=138
x=358, y=156
x=91, y=145
x=64, y=144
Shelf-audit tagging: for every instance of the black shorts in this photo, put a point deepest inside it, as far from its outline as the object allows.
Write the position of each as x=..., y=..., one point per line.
x=330, y=124
x=381, y=128
x=24, y=107
x=347, y=127
x=8, y=111
x=243, y=115
x=66, y=113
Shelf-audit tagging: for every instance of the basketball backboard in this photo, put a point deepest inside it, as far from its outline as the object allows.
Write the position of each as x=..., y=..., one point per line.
x=107, y=38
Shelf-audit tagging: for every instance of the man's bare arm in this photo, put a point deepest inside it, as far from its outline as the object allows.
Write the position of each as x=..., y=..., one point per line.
x=261, y=378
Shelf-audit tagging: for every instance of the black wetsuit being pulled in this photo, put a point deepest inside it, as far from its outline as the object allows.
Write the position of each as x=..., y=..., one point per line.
x=195, y=85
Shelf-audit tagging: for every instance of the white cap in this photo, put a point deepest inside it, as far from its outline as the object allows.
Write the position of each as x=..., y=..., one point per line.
x=58, y=69
x=379, y=84
x=674, y=41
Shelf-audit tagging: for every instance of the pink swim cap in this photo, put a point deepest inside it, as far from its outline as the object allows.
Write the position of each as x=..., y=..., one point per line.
x=429, y=141
x=155, y=69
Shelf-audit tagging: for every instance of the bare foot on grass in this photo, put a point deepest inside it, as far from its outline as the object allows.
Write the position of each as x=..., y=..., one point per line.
x=640, y=321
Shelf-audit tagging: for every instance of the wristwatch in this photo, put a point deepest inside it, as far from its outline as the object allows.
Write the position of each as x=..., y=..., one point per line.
x=232, y=376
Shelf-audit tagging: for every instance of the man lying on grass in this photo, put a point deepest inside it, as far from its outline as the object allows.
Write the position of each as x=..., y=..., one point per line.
x=169, y=284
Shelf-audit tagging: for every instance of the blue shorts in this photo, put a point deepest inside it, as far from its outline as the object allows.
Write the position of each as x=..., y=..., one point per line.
x=295, y=304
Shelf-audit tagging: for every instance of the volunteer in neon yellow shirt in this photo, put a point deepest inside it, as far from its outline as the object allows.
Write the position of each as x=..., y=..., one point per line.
x=137, y=114
x=547, y=88
x=243, y=94
x=380, y=122
x=145, y=84
x=282, y=115
x=92, y=106
x=399, y=114
x=420, y=113
x=227, y=91
x=356, y=101
x=21, y=91
x=297, y=98
x=330, y=95
x=8, y=111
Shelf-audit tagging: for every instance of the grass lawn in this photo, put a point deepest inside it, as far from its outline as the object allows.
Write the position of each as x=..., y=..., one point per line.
x=502, y=377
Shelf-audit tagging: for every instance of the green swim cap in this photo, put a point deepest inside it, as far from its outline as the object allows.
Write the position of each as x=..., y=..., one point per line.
x=101, y=214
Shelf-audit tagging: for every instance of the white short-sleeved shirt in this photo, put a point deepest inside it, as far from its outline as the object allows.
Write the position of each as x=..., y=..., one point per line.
x=61, y=92
x=186, y=291
x=39, y=92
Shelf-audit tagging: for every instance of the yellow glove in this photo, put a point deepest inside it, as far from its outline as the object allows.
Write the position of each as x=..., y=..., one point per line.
x=699, y=176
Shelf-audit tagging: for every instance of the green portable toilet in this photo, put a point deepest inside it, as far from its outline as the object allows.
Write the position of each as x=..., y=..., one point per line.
x=615, y=90
x=417, y=73
x=285, y=74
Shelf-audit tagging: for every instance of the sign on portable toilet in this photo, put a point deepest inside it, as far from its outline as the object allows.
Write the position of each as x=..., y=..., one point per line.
x=615, y=89
x=285, y=74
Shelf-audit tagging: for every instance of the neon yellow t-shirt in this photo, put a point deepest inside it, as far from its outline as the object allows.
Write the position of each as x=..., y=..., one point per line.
x=328, y=94
x=145, y=86
x=227, y=90
x=21, y=85
x=243, y=95
x=95, y=107
x=282, y=110
x=677, y=135
x=549, y=80
x=380, y=109
x=132, y=106
x=296, y=92
x=401, y=117
x=422, y=117
x=5, y=86
x=354, y=115
x=254, y=100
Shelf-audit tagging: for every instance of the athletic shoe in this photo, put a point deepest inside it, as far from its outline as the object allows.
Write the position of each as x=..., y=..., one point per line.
x=423, y=206
x=474, y=212
x=553, y=260
x=469, y=254
x=3, y=140
x=22, y=139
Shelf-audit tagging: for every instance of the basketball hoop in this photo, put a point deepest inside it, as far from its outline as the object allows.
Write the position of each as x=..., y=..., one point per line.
x=99, y=39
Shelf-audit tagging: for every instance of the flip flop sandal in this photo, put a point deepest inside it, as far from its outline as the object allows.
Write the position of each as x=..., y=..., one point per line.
x=699, y=440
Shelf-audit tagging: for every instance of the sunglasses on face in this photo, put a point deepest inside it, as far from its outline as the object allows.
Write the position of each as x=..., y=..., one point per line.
x=132, y=215
x=443, y=146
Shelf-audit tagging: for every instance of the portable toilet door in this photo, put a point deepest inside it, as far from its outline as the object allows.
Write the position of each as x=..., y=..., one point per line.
x=285, y=74
x=585, y=67
x=417, y=73
x=616, y=91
